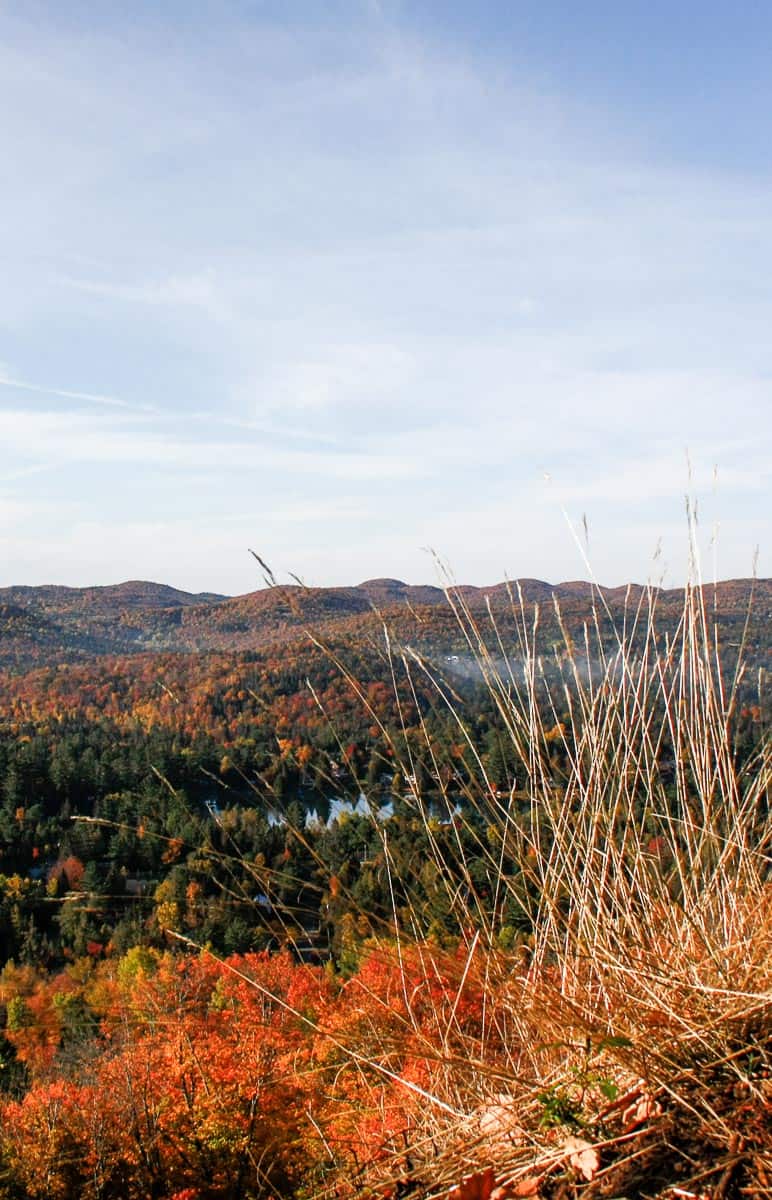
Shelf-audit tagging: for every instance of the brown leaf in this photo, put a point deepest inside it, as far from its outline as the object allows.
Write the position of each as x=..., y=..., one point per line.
x=583, y=1157
x=498, y=1122
x=475, y=1187
x=623, y=1102
x=527, y=1187
x=642, y=1110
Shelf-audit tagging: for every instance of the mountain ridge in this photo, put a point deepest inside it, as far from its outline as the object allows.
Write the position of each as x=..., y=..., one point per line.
x=52, y=623
x=132, y=592
x=149, y=593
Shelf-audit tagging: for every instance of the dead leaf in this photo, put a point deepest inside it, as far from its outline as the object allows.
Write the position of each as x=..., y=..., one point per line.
x=583, y=1157
x=623, y=1102
x=644, y=1109
x=475, y=1187
x=527, y=1187
x=497, y=1121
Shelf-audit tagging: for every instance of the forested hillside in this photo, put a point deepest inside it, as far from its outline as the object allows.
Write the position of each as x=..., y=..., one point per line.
x=45, y=625
x=272, y=870
x=133, y=769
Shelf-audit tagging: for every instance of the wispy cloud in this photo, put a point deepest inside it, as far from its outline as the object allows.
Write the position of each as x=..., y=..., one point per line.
x=268, y=429
x=197, y=291
x=23, y=385
x=70, y=438
x=23, y=473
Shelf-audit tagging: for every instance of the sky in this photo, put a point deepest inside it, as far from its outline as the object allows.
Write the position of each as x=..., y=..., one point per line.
x=357, y=282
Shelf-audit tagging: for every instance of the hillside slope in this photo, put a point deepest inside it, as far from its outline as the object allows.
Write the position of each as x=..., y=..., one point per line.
x=45, y=625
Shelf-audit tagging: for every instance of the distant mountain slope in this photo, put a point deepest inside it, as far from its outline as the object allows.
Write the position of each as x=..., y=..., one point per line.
x=111, y=598
x=44, y=625
x=50, y=623
x=28, y=637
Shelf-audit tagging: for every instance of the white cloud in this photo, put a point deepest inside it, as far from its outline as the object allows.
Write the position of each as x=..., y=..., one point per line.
x=197, y=291
x=339, y=376
x=72, y=438
x=22, y=385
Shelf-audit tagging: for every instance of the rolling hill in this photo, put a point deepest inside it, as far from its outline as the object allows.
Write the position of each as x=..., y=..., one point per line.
x=51, y=624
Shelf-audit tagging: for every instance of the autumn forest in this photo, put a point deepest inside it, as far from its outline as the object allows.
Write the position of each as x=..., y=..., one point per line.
x=276, y=870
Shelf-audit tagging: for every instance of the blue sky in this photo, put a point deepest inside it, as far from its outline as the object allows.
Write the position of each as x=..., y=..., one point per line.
x=345, y=281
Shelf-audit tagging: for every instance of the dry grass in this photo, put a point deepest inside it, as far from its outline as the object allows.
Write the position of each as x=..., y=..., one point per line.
x=637, y=1015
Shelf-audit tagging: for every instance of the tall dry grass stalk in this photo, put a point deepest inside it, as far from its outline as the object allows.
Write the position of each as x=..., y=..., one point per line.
x=641, y=865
